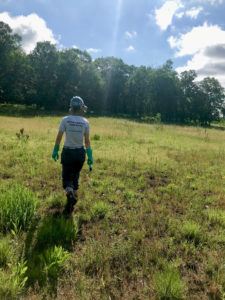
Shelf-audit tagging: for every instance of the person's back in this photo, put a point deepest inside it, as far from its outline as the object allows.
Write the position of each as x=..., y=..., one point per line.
x=76, y=129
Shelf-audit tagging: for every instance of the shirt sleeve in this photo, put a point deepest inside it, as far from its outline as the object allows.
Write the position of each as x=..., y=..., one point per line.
x=62, y=126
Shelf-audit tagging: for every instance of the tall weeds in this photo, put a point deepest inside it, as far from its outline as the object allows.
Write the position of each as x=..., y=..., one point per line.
x=17, y=208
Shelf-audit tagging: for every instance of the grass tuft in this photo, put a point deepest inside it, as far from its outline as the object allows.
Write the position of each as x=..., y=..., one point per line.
x=12, y=284
x=100, y=210
x=168, y=285
x=53, y=260
x=191, y=232
x=17, y=208
x=216, y=217
x=5, y=252
x=96, y=137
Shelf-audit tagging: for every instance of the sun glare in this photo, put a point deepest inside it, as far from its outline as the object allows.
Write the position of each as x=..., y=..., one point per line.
x=119, y=5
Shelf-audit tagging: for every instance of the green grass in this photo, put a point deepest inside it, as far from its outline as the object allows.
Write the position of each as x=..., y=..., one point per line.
x=52, y=261
x=192, y=232
x=100, y=210
x=149, y=222
x=17, y=207
x=12, y=284
x=6, y=252
x=169, y=285
x=56, y=231
x=216, y=217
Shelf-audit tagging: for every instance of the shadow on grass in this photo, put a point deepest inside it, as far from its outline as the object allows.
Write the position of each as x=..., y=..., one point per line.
x=47, y=248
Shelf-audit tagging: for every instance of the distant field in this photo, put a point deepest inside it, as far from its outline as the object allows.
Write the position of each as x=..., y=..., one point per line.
x=149, y=224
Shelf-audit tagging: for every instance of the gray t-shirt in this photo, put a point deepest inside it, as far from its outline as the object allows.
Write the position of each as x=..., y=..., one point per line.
x=75, y=127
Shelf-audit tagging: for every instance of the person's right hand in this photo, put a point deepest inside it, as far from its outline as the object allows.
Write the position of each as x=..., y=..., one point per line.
x=55, y=153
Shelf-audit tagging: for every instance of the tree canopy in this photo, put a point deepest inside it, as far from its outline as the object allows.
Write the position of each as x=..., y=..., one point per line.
x=49, y=77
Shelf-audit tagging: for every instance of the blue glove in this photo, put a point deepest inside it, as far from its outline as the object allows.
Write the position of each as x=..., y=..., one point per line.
x=55, y=153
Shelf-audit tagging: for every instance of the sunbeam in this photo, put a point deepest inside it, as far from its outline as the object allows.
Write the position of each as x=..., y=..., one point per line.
x=116, y=26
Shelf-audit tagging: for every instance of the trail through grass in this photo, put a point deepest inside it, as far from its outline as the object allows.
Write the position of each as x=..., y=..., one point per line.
x=149, y=223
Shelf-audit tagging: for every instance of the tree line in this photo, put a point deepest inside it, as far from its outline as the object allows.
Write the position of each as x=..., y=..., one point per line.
x=49, y=77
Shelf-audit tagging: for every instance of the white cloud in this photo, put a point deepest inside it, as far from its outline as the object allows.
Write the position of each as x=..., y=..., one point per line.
x=180, y=8
x=130, y=34
x=164, y=15
x=130, y=49
x=204, y=66
x=206, y=45
x=31, y=28
x=93, y=50
x=180, y=14
x=198, y=38
x=191, y=13
x=194, y=12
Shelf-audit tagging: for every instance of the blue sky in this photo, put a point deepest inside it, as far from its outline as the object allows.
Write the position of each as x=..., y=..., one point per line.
x=141, y=32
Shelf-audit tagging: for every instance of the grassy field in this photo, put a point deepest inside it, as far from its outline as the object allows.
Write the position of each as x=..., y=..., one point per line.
x=149, y=224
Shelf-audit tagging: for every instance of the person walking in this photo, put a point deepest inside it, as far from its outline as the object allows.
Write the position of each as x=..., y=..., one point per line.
x=76, y=129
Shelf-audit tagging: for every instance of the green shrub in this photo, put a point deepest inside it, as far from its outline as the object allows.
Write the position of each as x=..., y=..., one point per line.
x=52, y=261
x=17, y=208
x=152, y=120
x=168, y=285
x=12, y=284
x=96, y=137
x=100, y=210
x=22, y=136
x=191, y=232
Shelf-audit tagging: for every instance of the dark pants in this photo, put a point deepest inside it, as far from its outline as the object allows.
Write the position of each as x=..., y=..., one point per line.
x=72, y=161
